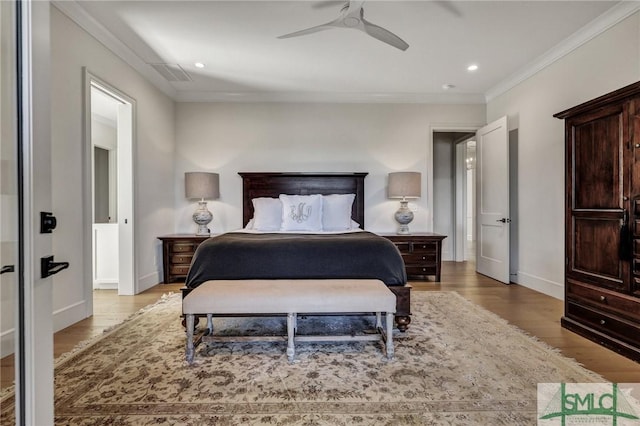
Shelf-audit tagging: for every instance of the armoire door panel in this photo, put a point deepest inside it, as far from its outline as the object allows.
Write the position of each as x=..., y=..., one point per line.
x=597, y=175
x=595, y=248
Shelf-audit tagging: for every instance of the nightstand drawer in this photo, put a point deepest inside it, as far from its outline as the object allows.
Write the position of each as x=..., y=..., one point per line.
x=179, y=269
x=181, y=259
x=421, y=270
x=420, y=258
x=182, y=247
x=404, y=247
x=424, y=246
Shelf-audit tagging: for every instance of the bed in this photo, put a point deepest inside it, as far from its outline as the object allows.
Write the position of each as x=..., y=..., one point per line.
x=303, y=255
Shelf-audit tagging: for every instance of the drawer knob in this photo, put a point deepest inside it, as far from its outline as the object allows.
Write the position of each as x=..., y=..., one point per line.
x=424, y=269
x=602, y=322
x=603, y=298
x=424, y=257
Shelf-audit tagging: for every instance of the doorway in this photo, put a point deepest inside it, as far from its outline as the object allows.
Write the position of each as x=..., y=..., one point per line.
x=453, y=192
x=109, y=139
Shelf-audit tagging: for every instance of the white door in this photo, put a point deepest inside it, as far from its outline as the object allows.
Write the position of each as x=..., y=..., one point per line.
x=126, y=264
x=492, y=200
x=26, y=191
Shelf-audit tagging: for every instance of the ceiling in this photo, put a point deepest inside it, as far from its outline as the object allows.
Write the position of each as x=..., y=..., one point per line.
x=244, y=60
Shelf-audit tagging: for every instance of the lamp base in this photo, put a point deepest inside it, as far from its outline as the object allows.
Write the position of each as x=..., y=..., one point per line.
x=404, y=216
x=403, y=230
x=202, y=217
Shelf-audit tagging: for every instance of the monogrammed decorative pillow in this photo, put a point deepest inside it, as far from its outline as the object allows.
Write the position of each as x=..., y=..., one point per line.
x=301, y=212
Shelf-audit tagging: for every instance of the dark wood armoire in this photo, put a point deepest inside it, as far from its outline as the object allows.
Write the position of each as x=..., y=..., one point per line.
x=602, y=229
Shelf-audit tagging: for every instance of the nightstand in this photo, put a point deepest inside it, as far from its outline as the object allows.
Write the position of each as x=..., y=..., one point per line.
x=177, y=251
x=421, y=252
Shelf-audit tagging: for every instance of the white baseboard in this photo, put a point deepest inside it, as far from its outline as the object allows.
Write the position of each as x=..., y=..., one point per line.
x=63, y=318
x=7, y=342
x=147, y=281
x=542, y=285
x=105, y=285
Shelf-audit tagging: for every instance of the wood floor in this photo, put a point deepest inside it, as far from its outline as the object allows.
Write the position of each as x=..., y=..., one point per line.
x=533, y=312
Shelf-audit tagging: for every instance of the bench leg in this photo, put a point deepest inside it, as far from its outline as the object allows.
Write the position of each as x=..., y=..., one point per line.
x=378, y=320
x=190, y=350
x=390, y=348
x=291, y=351
x=210, y=324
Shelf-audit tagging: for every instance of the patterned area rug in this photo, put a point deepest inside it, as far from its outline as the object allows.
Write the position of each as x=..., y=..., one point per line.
x=457, y=364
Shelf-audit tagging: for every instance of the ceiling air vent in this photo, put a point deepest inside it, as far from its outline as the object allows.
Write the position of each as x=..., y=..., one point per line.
x=172, y=72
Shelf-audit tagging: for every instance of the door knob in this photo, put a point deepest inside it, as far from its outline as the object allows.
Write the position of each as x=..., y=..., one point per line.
x=48, y=267
x=6, y=269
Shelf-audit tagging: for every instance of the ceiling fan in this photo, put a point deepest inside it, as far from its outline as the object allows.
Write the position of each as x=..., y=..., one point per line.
x=352, y=16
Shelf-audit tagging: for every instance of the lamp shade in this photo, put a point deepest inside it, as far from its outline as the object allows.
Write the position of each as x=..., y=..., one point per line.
x=404, y=185
x=202, y=185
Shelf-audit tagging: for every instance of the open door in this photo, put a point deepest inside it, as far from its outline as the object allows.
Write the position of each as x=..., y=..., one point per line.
x=25, y=192
x=492, y=200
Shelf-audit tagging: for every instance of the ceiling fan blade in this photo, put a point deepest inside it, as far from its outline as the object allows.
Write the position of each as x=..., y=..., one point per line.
x=450, y=7
x=308, y=30
x=384, y=35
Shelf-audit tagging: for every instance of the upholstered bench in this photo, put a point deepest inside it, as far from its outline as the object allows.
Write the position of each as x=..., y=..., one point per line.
x=290, y=297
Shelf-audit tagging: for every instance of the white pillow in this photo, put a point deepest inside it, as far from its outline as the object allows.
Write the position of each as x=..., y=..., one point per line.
x=301, y=212
x=267, y=214
x=336, y=212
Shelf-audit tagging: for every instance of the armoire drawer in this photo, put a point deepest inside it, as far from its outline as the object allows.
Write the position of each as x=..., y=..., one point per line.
x=605, y=322
x=616, y=303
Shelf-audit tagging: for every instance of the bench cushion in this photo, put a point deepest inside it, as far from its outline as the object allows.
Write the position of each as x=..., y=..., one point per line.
x=289, y=296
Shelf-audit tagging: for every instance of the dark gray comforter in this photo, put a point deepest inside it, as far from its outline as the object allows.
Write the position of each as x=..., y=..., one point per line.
x=238, y=255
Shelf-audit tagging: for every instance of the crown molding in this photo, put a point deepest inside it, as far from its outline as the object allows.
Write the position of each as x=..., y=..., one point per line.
x=596, y=27
x=333, y=97
x=79, y=15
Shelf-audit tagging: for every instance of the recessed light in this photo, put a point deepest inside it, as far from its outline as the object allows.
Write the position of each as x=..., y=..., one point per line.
x=199, y=65
x=473, y=67
x=448, y=86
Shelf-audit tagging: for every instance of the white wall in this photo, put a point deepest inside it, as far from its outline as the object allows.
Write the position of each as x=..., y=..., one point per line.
x=228, y=138
x=606, y=63
x=72, y=49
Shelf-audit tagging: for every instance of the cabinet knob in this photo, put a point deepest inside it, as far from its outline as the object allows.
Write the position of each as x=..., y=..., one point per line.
x=424, y=257
x=603, y=298
x=602, y=322
x=638, y=145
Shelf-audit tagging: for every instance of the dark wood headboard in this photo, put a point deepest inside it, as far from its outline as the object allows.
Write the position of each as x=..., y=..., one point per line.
x=272, y=184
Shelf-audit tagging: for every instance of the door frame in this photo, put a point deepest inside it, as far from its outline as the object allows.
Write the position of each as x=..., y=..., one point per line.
x=448, y=127
x=127, y=248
